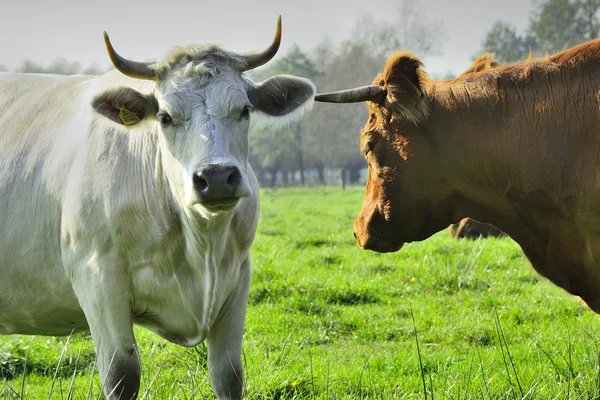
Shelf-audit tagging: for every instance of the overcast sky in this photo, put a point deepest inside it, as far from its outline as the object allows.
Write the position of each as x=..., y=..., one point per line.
x=42, y=30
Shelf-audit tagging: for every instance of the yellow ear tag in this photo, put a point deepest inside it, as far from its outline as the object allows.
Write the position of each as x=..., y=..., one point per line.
x=128, y=117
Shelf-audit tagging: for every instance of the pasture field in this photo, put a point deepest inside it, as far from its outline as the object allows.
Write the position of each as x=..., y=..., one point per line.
x=440, y=319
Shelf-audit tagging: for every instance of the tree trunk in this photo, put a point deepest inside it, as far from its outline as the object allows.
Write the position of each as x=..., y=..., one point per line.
x=262, y=177
x=273, y=176
x=286, y=178
x=354, y=176
x=293, y=177
x=321, y=172
x=300, y=153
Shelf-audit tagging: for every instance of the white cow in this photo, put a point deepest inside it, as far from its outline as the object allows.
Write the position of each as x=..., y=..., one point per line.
x=131, y=201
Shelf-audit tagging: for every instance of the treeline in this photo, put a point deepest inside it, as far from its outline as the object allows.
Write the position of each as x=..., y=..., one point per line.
x=326, y=142
x=323, y=148
x=328, y=139
x=554, y=25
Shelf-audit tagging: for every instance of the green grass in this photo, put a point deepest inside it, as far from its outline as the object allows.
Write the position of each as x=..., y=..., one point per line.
x=441, y=319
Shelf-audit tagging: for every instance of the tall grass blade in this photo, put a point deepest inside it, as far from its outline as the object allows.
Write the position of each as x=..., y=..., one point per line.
x=481, y=369
x=22, y=394
x=419, y=353
x=62, y=354
x=72, y=385
x=503, y=344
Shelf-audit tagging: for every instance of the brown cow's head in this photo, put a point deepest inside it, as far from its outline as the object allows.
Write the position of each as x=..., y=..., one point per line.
x=402, y=189
x=407, y=196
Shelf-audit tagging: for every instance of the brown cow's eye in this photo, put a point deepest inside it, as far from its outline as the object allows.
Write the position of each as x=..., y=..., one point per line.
x=368, y=147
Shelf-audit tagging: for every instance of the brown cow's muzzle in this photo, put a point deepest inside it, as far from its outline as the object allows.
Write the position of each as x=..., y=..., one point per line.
x=375, y=233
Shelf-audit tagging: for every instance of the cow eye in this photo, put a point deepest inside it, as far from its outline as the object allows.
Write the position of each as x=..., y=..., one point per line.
x=368, y=147
x=164, y=118
x=245, y=113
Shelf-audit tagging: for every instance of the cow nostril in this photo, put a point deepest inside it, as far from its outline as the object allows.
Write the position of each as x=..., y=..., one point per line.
x=233, y=179
x=200, y=183
x=214, y=182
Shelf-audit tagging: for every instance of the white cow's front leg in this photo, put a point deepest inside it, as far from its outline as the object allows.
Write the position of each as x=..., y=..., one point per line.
x=225, y=341
x=102, y=290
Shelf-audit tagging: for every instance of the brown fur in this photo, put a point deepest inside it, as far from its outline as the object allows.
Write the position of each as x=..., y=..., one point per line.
x=468, y=228
x=404, y=77
x=515, y=145
x=484, y=62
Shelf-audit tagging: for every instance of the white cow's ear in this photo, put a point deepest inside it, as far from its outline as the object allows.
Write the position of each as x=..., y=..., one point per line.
x=125, y=106
x=283, y=97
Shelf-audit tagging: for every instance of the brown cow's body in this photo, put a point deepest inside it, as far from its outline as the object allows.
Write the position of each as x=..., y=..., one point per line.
x=516, y=145
x=468, y=228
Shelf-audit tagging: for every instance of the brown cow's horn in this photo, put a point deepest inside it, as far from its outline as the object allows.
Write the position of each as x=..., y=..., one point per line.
x=365, y=93
x=256, y=59
x=133, y=69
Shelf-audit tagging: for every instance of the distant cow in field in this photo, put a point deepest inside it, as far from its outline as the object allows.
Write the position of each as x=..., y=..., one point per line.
x=128, y=198
x=516, y=145
x=471, y=229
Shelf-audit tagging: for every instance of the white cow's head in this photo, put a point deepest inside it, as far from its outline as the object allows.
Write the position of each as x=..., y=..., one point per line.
x=202, y=105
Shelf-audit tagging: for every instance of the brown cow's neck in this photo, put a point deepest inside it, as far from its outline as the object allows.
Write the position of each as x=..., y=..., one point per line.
x=520, y=145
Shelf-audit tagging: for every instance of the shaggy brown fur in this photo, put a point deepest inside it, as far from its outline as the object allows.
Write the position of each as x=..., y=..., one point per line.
x=515, y=145
x=484, y=62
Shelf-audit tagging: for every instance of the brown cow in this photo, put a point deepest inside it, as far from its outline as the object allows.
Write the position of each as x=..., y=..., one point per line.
x=516, y=145
x=468, y=228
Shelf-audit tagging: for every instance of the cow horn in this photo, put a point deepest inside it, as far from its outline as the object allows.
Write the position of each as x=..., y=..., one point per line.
x=364, y=93
x=133, y=69
x=256, y=59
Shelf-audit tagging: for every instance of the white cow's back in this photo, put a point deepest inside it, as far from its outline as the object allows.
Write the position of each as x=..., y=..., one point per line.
x=36, y=153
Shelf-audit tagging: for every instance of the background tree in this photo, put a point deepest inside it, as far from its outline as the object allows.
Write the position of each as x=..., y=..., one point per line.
x=554, y=25
x=411, y=30
x=272, y=151
x=506, y=43
x=332, y=131
x=559, y=24
x=282, y=150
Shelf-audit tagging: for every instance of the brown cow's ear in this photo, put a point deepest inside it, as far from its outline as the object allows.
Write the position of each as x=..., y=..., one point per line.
x=404, y=79
x=125, y=106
